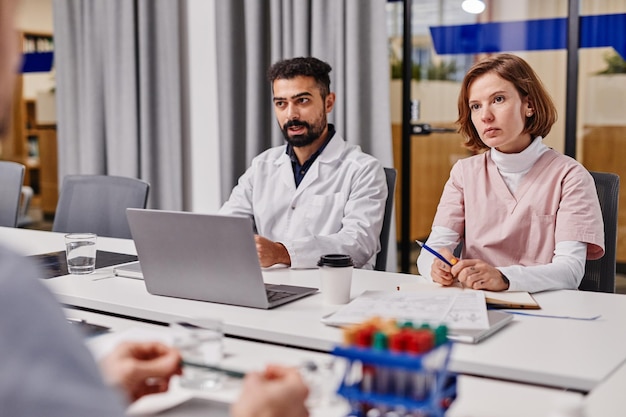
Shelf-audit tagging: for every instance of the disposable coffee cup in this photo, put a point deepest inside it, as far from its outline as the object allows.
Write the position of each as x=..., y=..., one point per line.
x=335, y=278
x=80, y=251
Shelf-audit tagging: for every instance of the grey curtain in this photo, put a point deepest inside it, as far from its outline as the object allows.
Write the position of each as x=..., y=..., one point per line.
x=348, y=34
x=118, y=92
x=120, y=86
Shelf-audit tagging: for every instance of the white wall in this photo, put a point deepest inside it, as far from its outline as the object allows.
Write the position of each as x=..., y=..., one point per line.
x=204, y=165
x=34, y=15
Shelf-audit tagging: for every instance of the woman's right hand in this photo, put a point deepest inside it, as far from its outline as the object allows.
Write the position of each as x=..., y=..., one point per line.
x=440, y=272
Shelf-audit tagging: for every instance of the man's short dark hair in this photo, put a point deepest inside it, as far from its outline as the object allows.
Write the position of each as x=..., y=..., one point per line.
x=302, y=66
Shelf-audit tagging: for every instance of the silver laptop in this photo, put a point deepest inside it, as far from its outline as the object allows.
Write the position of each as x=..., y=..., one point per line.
x=204, y=257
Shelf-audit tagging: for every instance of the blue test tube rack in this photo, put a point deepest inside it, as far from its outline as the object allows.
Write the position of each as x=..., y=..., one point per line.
x=437, y=396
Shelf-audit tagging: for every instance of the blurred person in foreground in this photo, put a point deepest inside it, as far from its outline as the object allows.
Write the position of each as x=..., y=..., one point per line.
x=47, y=370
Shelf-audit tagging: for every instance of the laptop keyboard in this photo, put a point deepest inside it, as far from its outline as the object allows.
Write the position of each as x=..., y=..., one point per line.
x=273, y=295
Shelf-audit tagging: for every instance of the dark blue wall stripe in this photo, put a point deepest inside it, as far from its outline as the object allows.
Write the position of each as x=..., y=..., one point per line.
x=530, y=35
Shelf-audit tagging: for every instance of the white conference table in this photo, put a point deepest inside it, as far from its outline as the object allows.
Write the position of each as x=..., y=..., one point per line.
x=607, y=399
x=476, y=396
x=564, y=353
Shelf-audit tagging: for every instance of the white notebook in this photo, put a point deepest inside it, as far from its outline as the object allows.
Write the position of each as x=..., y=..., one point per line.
x=130, y=270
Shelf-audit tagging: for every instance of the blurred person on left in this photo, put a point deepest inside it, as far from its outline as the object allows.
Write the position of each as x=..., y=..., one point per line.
x=276, y=392
x=141, y=368
x=45, y=367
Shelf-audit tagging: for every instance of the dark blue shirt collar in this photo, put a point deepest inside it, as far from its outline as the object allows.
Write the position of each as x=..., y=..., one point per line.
x=299, y=171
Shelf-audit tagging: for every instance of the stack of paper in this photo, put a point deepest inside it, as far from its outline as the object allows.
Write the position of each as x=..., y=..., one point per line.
x=457, y=309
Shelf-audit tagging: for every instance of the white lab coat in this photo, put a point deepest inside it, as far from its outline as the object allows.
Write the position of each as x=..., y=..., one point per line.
x=338, y=207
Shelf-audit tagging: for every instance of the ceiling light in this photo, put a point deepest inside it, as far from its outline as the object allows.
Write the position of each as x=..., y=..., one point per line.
x=473, y=6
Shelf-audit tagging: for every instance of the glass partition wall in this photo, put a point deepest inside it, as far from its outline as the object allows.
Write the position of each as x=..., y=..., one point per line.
x=448, y=36
x=601, y=110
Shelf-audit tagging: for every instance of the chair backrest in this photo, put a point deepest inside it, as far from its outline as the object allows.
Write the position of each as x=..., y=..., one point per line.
x=11, y=177
x=98, y=203
x=23, y=219
x=600, y=274
x=381, y=259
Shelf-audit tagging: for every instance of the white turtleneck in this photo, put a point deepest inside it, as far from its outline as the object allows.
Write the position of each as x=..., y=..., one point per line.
x=513, y=166
x=568, y=264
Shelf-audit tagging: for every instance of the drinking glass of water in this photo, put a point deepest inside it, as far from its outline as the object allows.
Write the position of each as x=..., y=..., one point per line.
x=200, y=346
x=80, y=250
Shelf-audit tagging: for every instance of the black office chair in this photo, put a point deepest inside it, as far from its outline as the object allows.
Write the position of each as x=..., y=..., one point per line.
x=11, y=178
x=381, y=258
x=98, y=203
x=600, y=274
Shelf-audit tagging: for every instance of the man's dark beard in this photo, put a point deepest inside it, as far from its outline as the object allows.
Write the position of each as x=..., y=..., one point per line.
x=312, y=134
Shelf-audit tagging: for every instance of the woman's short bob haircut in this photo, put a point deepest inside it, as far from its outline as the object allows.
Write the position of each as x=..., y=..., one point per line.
x=517, y=71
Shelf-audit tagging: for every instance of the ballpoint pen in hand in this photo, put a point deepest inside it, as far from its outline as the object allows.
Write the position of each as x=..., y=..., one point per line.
x=437, y=254
x=228, y=372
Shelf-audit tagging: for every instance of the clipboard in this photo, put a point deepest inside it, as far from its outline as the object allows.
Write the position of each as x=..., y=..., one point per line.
x=497, y=320
x=466, y=323
x=131, y=270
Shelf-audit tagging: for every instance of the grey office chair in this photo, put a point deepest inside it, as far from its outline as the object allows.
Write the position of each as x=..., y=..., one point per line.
x=600, y=274
x=11, y=177
x=98, y=203
x=23, y=218
x=381, y=259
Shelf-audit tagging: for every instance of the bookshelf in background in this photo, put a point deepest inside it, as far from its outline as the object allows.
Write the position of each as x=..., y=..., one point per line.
x=32, y=142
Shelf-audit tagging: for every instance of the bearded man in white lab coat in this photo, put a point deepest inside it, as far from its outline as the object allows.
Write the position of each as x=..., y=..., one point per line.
x=317, y=194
